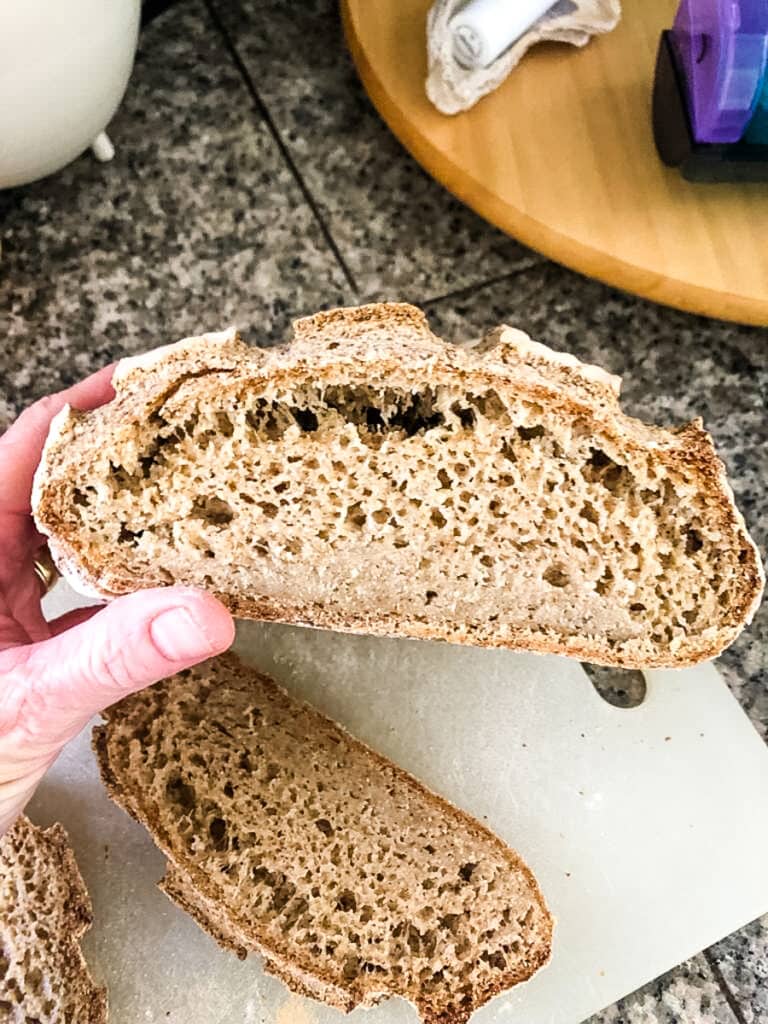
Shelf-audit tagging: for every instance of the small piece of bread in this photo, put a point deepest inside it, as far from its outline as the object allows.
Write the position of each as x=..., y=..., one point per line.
x=44, y=911
x=287, y=836
x=370, y=477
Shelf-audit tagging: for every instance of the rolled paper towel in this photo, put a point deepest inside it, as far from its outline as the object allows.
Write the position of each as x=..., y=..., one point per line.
x=453, y=87
x=484, y=29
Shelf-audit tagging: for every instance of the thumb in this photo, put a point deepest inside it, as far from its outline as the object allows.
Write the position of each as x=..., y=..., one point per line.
x=133, y=642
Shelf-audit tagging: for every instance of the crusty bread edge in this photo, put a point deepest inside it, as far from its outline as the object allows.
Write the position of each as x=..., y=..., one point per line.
x=77, y=914
x=241, y=933
x=180, y=888
x=63, y=554
x=701, y=457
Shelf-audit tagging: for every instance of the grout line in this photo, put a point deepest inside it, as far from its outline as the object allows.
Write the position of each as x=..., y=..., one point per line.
x=725, y=988
x=265, y=115
x=522, y=268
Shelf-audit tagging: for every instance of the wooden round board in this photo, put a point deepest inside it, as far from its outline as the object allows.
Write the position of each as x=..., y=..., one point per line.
x=562, y=157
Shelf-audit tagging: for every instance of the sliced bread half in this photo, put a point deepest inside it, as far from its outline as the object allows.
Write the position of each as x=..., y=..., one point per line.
x=44, y=911
x=370, y=477
x=287, y=836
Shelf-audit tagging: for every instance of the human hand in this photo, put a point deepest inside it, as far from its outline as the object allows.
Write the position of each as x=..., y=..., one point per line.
x=54, y=676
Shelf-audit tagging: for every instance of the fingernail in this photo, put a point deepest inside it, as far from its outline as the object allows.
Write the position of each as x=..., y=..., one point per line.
x=179, y=637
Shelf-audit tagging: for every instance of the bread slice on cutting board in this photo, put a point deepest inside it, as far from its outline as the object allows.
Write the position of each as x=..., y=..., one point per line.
x=44, y=911
x=286, y=836
x=369, y=477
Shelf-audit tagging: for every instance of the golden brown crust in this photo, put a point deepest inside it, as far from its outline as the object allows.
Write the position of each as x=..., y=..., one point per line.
x=198, y=894
x=392, y=344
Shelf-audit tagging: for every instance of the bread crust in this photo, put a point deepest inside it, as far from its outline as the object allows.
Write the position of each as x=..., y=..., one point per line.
x=198, y=894
x=391, y=344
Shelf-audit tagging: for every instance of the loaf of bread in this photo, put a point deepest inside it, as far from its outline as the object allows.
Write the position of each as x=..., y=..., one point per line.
x=287, y=836
x=44, y=911
x=369, y=477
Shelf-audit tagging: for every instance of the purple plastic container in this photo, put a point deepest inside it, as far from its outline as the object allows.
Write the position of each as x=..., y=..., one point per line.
x=722, y=46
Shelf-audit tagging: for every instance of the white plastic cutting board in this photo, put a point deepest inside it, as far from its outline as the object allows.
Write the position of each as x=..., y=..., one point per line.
x=647, y=828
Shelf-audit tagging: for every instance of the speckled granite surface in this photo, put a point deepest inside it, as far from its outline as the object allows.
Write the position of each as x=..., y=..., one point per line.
x=252, y=202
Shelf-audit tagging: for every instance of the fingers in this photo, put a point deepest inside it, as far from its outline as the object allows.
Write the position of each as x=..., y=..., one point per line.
x=131, y=643
x=22, y=444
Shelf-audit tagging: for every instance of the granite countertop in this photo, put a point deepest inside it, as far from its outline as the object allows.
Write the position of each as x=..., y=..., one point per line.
x=252, y=183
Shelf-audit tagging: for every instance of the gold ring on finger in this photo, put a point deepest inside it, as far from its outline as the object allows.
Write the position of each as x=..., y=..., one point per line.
x=44, y=569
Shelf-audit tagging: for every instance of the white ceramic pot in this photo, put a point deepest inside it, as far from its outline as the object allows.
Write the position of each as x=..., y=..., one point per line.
x=64, y=66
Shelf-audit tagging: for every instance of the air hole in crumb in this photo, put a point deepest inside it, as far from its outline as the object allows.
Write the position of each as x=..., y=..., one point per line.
x=508, y=451
x=465, y=871
x=556, y=576
x=589, y=512
x=126, y=536
x=490, y=405
x=224, y=423
x=180, y=794
x=599, y=460
x=445, y=480
x=430, y=596
x=356, y=516
x=412, y=413
x=269, y=509
x=466, y=416
x=450, y=922
x=306, y=419
x=496, y=960
x=601, y=468
x=373, y=419
x=438, y=518
x=529, y=433
x=369, y=968
x=212, y=509
x=324, y=826
x=346, y=901
x=693, y=542
x=229, y=789
x=603, y=585
x=614, y=477
x=217, y=830
x=623, y=688
x=350, y=969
